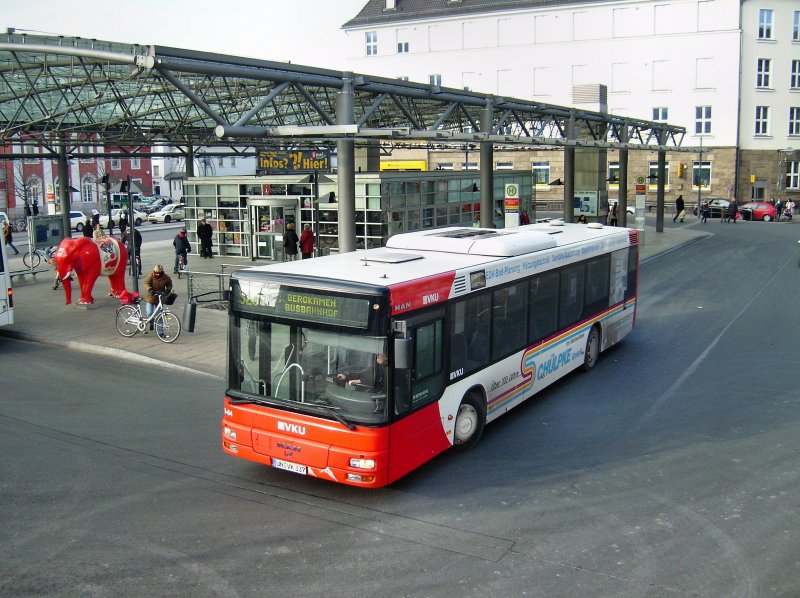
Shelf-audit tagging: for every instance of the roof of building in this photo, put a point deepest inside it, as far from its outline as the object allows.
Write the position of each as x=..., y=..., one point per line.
x=375, y=11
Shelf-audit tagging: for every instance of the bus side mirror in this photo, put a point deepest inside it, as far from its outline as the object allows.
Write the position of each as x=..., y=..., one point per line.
x=402, y=353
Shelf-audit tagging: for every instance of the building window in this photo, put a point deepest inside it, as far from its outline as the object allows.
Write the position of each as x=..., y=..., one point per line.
x=402, y=47
x=702, y=120
x=87, y=190
x=794, y=82
x=613, y=175
x=136, y=163
x=372, y=43
x=796, y=26
x=445, y=166
x=233, y=161
x=435, y=79
x=762, y=72
x=470, y=166
x=504, y=166
x=541, y=174
x=793, y=175
x=701, y=175
x=762, y=120
x=116, y=164
x=765, y=23
x=794, y=120
x=33, y=152
x=660, y=114
x=156, y=170
x=652, y=175
x=85, y=151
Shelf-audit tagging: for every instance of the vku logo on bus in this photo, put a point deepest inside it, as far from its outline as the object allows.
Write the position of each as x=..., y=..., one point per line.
x=430, y=298
x=292, y=428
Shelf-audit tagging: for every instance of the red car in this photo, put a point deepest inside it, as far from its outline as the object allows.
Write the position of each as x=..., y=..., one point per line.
x=756, y=210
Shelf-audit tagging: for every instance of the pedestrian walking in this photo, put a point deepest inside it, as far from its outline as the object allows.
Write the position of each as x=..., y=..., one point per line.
x=290, y=241
x=7, y=237
x=778, y=208
x=524, y=218
x=88, y=228
x=133, y=242
x=789, y=209
x=123, y=220
x=733, y=210
x=613, y=219
x=182, y=249
x=307, y=241
x=704, y=212
x=206, y=235
x=680, y=211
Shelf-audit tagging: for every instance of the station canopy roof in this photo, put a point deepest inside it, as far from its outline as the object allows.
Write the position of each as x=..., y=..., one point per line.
x=138, y=96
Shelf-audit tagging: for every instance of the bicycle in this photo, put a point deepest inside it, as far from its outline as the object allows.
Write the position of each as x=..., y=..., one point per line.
x=181, y=265
x=18, y=225
x=130, y=320
x=34, y=258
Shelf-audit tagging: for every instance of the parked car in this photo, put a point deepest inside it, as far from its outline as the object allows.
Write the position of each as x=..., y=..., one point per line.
x=169, y=213
x=716, y=206
x=153, y=203
x=756, y=210
x=77, y=220
x=139, y=218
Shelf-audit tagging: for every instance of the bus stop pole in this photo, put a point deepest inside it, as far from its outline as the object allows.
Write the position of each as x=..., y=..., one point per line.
x=345, y=149
x=487, y=167
x=569, y=170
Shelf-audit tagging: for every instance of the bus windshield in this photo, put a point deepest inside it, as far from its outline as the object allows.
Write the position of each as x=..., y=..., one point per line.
x=310, y=368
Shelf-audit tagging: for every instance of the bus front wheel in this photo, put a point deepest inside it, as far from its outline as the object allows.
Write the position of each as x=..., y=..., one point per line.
x=592, y=349
x=470, y=421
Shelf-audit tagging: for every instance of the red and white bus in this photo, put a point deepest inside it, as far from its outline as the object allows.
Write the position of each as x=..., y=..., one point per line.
x=6, y=294
x=358, y=368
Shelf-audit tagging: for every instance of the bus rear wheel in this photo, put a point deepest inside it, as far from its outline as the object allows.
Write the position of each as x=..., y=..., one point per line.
x=470, y=421
x=592, y=349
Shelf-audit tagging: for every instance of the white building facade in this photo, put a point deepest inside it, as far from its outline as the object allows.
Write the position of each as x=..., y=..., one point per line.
x=693, y=63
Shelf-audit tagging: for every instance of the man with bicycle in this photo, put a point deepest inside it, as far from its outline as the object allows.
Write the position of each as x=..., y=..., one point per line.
x=156, y=282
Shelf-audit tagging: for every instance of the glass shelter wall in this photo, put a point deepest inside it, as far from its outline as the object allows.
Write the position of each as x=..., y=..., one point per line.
x=242, y=210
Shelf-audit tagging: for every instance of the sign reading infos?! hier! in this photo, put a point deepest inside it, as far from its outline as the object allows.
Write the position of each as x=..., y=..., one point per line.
x=270, y=161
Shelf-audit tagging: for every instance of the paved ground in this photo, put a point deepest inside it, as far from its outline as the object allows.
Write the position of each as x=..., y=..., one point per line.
x=42, y=316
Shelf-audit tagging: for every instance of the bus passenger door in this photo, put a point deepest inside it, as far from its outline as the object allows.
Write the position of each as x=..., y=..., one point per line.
x=417, y=433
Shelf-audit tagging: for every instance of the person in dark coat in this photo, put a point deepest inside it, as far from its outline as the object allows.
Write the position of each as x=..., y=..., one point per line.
x=679, y=209
x=290, y=241
x=123, y=220
x=307, y=241
x=88, y=228
x=372, y=377
x=136, y=239
x=182, y=249
x=206, y=234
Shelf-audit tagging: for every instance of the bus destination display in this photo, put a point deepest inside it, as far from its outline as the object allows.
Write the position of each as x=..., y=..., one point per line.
x=274, y=299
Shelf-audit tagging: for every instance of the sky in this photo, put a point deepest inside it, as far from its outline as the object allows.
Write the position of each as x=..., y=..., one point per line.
x=306, y=32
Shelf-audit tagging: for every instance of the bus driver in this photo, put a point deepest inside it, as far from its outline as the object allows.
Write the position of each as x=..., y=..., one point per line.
x=372, y=377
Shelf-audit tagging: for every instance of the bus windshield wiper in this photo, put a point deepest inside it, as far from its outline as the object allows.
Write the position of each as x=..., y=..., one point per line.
x=338, y=417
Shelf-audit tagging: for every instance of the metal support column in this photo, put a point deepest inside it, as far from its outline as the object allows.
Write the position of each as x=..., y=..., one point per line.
x=63, y=186
x=487, y=167
x=569, y=171
x=190, y=161
x=345, y=150
x=662, y=165
x=622, y=201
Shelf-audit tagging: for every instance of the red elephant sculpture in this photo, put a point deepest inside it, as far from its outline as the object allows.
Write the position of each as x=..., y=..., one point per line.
x=90, y=258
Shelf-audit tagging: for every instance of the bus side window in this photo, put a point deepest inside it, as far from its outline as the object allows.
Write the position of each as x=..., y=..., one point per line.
x=597, y=282
x=571, y=299
x=510, y=312
x=543, y=317
x=633, y=259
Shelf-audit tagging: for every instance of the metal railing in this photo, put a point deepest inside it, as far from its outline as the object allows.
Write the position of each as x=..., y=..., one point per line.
x=209, y=288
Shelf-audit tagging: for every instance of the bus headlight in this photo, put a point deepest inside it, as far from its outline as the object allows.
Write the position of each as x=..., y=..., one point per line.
x=228, y=433
x=357, y=477
x=358, y=463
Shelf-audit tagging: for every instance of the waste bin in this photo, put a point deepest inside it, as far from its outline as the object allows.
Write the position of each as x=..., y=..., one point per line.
x=189, y=315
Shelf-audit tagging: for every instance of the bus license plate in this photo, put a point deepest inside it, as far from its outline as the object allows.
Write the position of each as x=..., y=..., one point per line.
x=289, y=466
